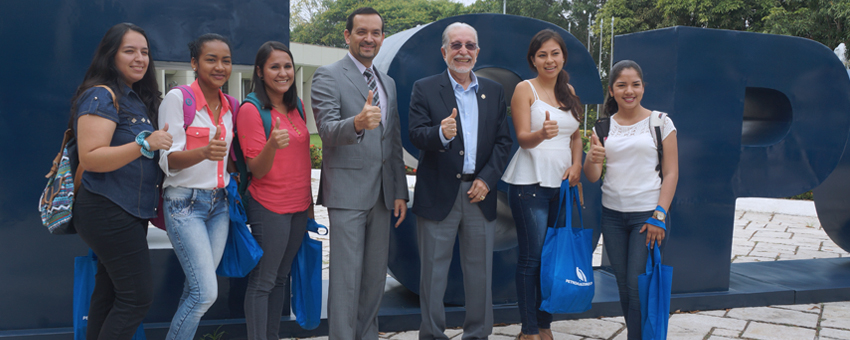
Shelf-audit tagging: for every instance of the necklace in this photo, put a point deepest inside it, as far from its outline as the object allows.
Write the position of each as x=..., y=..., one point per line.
x=547, y=94
x=288, y=117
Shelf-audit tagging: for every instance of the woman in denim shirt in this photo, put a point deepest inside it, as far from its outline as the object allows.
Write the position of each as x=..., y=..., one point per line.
x=118, y=151
x=195, y=208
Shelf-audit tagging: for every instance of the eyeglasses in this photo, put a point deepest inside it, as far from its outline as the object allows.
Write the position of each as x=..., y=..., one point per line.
x=469, y=46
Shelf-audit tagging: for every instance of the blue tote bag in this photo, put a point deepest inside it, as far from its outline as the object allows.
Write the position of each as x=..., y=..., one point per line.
x=241, y=252
x=307, y=279
x=654, y=289
x=85, y=267
x=566, y=267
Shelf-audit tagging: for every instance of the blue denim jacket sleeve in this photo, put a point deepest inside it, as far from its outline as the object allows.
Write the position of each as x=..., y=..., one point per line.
x=96, y=101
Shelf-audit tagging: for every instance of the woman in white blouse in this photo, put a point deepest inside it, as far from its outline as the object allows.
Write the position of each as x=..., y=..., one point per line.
x=195, y=200
x=546, y=114
x=635, y=198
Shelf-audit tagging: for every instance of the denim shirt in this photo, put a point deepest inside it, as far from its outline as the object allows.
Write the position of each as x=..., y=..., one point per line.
x=135, y=186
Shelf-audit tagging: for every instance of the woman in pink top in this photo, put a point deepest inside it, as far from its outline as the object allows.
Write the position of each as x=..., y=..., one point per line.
x=279, y=199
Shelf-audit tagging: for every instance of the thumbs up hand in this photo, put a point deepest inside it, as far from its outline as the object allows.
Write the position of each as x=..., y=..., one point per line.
x=160, y=139
x=279, y=138
x=216, y=150
x=550, y=128
x=449, y=125
x=368, y=118
x=596, y=154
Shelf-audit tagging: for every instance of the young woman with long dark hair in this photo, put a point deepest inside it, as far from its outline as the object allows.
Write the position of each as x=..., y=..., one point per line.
x=118, y=149
x=279, y=199
x=546, y=114
x=635, y=198
x=196, y=208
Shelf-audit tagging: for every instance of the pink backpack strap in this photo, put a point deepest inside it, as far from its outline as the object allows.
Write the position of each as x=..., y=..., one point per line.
x=188, y=105
x=234, y=110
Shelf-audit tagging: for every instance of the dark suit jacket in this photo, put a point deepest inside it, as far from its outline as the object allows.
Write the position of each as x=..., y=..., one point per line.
x=440, y=168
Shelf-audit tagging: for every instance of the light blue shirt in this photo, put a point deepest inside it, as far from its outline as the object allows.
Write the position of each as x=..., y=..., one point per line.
x=467, y=112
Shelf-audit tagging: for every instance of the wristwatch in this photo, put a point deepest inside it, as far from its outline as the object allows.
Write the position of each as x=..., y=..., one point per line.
x=659, y=215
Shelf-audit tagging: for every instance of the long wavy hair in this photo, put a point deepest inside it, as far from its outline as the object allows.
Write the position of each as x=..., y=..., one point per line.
x=290, y=98
x=611, y=106
x=103, y=71
x=563, y=94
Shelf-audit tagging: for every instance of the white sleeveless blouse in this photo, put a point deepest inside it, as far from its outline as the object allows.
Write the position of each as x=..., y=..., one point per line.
x=546, y=163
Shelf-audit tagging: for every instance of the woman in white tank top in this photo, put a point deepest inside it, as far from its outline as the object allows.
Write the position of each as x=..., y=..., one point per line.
x=546, y=114
x=634, y=198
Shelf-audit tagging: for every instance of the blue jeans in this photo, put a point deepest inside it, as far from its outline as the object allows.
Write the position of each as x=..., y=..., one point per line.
x=626, y=248
x=534, y=209
x=197, y=222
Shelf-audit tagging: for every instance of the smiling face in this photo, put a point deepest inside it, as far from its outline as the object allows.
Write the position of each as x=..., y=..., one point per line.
x=627, y=89
x=365, y=38
x=132, y=58
x=213, y=65
x=462, y=59
x=277, y=73
x=549, y=59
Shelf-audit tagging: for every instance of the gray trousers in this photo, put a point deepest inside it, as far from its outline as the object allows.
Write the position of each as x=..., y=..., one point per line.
x=436, y=243
x=280, y=236
x=358, y=270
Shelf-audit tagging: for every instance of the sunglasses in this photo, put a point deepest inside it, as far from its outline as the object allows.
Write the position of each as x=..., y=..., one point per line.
x=469, y=46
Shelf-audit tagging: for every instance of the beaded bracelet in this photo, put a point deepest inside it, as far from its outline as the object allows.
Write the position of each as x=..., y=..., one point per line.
x=146, y=148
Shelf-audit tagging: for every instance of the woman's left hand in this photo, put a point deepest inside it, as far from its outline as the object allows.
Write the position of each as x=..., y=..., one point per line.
x=654, y=235
x=573, y=173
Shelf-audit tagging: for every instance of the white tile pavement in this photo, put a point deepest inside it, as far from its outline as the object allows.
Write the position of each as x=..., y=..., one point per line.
x=761, y=234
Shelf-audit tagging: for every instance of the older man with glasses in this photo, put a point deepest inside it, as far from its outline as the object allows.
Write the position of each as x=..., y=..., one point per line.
x=458, y=122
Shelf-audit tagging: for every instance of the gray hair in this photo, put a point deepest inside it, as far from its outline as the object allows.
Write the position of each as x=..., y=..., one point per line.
x=454, y=26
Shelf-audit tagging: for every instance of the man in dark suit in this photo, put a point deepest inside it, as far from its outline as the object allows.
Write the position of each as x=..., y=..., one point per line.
x=363, y=178
x=458, y=122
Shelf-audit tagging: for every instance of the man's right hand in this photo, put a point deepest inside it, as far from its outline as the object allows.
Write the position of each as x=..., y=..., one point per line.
x=279, y=138
x=369, y=118
x=449, y=125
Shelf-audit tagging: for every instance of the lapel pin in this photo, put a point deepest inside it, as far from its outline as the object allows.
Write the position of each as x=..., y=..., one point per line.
x=483, y=96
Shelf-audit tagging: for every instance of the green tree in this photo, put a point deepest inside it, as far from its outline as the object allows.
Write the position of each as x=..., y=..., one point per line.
x=326, y=27
x=825, y=21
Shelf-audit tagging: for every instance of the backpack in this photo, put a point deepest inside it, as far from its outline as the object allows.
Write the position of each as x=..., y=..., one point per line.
x=189, y=111
x=656, y=119
x=236, y=152
x=56, y=203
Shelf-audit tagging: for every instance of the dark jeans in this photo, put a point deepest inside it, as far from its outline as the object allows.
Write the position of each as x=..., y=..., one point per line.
x=626, y=248
x=280, y=236
x=534, y=209
x=123, y=289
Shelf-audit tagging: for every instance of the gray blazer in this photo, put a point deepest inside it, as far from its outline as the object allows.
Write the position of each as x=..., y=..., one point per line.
x=355, y=168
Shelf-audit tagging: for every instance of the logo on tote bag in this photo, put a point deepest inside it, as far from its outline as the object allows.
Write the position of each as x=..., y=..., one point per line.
x=582, y=277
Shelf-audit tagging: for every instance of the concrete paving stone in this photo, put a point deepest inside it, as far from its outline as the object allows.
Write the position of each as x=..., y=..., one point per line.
x=451, y=333
x=832, y=333
x=386, y=335
x=621, y=336
x=742, y=251
x=806, y=230
x=777, y=240
x=794, y=219
x=776, y=316
x=739, y=214
x=755, y=225
x=564, y=336
x=594, y=328
x=714, y=337
x=705, y=323
x=618, y=319
x=836, y=315
x=716, y=313
x=758, y=216
x=411, y=335
x=764, y=331
x=767, y=254
x=772, y=234
x=775, y=247
x=511, y=330
x=742, y=235
x=806, y=308
x=316, y=338
x=747, y=259
x=726, y=333
x=809, y=256
x=800, y=236
x=773, y=226
x=502, y=337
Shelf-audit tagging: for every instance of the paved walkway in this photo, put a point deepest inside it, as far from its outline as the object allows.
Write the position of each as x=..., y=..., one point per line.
x=765, y=230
